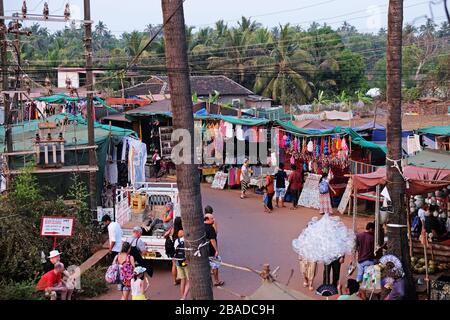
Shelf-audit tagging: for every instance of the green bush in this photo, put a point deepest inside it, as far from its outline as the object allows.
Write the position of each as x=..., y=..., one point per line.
x=20, y=241
x=93, y=282
x=19, y=291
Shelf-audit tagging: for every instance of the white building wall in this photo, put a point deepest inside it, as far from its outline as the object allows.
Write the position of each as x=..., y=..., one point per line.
x=63, y=75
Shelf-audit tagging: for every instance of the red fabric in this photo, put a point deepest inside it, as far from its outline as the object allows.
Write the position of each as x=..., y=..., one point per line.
x=415, y=176
x=48, y=280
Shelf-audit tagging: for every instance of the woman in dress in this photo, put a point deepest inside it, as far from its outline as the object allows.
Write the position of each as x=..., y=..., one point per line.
x=324, y=196
x=245, y=178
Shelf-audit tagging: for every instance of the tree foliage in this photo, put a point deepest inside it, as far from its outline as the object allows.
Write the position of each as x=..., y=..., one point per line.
x=287, y=63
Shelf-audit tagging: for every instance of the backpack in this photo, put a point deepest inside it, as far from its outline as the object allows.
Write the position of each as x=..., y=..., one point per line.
x=180, y=254
x=136, y=253
x=416, y=226
x=126, y=272
x=170, y=247
x=323, y=187
x=112, y=275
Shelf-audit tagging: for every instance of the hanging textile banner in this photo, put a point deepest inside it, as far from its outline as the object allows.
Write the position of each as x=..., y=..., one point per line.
x=346, y=197
x=309, y=197
x=220, y=180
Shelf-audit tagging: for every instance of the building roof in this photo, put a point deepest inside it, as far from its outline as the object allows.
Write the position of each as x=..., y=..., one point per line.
x=202, y=85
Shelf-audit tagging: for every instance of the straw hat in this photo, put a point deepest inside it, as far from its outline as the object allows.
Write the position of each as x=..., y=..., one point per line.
x=54, y=253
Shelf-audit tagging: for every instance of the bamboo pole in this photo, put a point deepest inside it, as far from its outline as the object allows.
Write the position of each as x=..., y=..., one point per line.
x=408, y=222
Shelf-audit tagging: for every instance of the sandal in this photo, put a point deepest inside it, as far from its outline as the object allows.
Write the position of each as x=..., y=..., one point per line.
x=219, y=284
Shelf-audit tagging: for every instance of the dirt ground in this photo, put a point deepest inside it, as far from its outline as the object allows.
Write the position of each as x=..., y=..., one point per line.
x=410, y=122
x=248, y=237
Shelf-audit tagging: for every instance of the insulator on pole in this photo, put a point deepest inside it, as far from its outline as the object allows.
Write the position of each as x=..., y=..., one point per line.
x=45, y=11
x=67, y=12
x=24, y=9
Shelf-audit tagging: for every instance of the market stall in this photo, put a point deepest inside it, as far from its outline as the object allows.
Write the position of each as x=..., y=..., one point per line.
x=322, y=151
x=427, y=193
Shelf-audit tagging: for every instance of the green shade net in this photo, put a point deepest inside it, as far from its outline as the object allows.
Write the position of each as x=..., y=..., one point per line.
x=76, y=134
x=436, y=130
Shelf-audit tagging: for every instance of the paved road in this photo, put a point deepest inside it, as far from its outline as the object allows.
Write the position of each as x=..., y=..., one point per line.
x=248, y=237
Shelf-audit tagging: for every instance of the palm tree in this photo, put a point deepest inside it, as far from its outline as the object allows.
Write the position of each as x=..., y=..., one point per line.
x=236, y=58
x=397, y=237
x=189, y=188
x=246, y=24
x=285, y=74
x=134, y=42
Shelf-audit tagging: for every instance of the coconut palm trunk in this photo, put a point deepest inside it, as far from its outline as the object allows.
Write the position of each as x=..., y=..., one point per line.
x=397, y=231
x=188, y=184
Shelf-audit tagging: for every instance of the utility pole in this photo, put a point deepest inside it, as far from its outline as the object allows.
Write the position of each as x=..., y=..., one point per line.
x=188, y=185
x=397, y=227
x=5, y=80
x=90, y=97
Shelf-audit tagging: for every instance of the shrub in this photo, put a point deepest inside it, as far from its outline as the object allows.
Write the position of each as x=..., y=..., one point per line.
x=24, y=290
x=93, y=282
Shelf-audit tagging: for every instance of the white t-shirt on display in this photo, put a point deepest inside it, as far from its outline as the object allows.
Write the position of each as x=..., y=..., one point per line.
x=421, y=214
x=115, y=234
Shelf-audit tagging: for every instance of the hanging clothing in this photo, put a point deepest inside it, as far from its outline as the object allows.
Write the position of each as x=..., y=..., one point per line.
x=137, y=157
x=111, y=170
x=239, y=132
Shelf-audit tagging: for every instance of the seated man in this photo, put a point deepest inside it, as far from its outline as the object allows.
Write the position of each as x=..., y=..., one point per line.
x=351, y=291
x=51, y=283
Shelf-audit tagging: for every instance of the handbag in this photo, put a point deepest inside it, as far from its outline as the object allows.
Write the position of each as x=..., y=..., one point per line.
x=112, y=275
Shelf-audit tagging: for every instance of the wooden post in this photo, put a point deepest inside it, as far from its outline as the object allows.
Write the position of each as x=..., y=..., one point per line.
x=355, y=204
x=408, y=222
x=90, y=105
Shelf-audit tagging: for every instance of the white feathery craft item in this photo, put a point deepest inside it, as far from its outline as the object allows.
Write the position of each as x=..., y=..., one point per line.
x=310, y=146
x=324, y=240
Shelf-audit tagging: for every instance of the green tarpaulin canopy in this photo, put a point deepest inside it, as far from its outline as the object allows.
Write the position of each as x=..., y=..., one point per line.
x=62, y=98
x=58, y=98
x=436, y=130
x=235, y=120
x=133, y=116
x=436, y=159
x=356, y=138
x=76, y=134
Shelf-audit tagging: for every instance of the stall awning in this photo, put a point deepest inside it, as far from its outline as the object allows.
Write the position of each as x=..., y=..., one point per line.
x=428, y=158
x=356, y=138
x=236, y=120
x=436, y=130
x=421, y=180
x=58, y=98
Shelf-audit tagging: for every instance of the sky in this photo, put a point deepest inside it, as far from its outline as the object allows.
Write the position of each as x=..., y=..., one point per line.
x=129, y=15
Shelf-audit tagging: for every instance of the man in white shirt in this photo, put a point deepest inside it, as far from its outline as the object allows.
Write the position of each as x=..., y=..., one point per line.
x=422, y=212
x=115, y=235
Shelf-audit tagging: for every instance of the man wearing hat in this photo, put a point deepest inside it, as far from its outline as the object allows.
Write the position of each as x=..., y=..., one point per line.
x=53, y=258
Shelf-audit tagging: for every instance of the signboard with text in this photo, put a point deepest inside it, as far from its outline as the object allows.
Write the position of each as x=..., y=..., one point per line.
x=57, y=226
